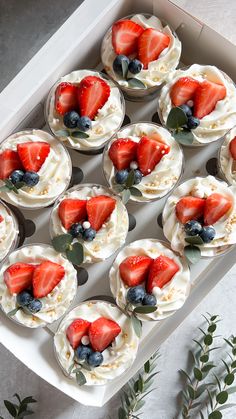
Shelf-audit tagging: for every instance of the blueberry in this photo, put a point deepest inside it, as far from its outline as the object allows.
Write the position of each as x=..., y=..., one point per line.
x=24, y=298
x=121, y=176
x=83, y=352
x=208, y=234
x=35, y=305
x=89, y=234
x=71, y=119
x=17, y=176
x=76, y=230
x=135, y=66
x=135, y=295
x=84, y=123
x=149, y=300
x=95, y=359
x=193, y=122
x=117, y=64
x=137, y=176
x=192, y=228
x=31, y=178
x=187, y=110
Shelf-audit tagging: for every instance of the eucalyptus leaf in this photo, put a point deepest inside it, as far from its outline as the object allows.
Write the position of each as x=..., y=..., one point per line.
x=130, y=179
x=176, y=118
x=207, y=367
x=19, y=185
x=186, y=375
x=222, y=397
x=140, y=383
x=133, y=82
x=79, y=134
x=229, y=379
x=4, y=189
x=118, y=188
x=194, y=240
x=76, y=254
x=125, y=194
x=18, y=397
x=215, y=415
x=192, y=253
x=139, y=405
x=25, y=413
x=122, y=413
x=62, y=242
x=28, y=400
x=13, y=312
x=197, y=374
x=191, y=392
x=184, y=137
x=70, y=369
x=208, y=340
x=229, y=343
x=11, y=408
x=80, y=378
x=204, y=358
x=124, y=66
x=211, y=328
x=137, y=325
x=145, y=309
x=62, y=133
x=147, y=366
x=135, y=191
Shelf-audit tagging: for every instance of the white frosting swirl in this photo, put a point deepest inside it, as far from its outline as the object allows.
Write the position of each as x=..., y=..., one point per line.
x=216, y=124
x=157, y=70
x=54, y=175
x=166, y=173
x=8, y=230
x=227, y=163
x=225, y=227
x=169, y=298
x=107, y=121
x=117, y=358
x=56, y=303
x=111, y=235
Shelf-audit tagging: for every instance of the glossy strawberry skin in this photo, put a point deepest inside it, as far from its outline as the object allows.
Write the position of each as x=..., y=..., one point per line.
x=33, y=154
x=134, y=270
x=9, y=161
x=189, y=208
x=99, y=209
x=102, y=332
x=161, y=272
x=216, y=207
x=72, y=211
x=232, y=148
x=125, y=34
x=66, y=98
x=93, y=93
x=46, y=277
x=122, y=152
x=76, y=330
x=18, y=277
x=150, y=45
x=206, y=97
x=149, y=154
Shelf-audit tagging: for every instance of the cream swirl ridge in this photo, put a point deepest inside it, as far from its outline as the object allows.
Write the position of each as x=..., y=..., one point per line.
x=8, y=230
x=227, y=163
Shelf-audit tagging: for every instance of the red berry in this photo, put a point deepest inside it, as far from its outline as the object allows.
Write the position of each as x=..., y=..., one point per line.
x=189, y=208
x=183, y=90
x=66, y=98
x=99, y=210
x=93, y=93
x=77, y=329
x=18, y=277
x=216, y=206
x=102, y=332
x=232, y=148
x=161, y=272
x=72, y=211
x=46, y=277
x=206, y=97
x=150, y=153
x=122, y=152
x=150, y=44
x=134, y=270
x=33, y=154
x=125, y=34
x=9, y=161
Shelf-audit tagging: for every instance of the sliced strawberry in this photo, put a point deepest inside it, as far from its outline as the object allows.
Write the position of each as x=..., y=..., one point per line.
x=66, y=98
x=122, y=152
x=9, y=161
x=99, y=210
x=1, y=219
x=161, y=272
x=77, y=329
x=46, y=277
x=232, y=148
x=206, y=97
x=149, y=154
x=18, y=277
x=33, y=154
x=102, y=332
x=216, y=206
x=183, y=90
x=72, y=211
x=189, y=208
x=93, y=93
x=125, y=34
x=150, y=44
x=134, y=270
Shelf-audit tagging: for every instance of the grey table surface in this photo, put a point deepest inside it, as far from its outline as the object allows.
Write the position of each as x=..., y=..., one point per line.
x=25, y=25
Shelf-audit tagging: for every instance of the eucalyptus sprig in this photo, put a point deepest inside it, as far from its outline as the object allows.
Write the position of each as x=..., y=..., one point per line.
x=132, y=81
x=19, y=410
x=127, y=189
x=132, y=313
x=9, y=186
x=132, y=399
x=74, y=252
x=69, y=133
x=76, y=368
x=177, y=123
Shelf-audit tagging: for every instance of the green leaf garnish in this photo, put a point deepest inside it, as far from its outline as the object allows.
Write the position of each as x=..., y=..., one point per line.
x=176, y=118
x=75, y=254
x=119, y=188
x=184, y=136
x=133, y=82
x=124, y=66
x=194, y=240
x=62, y=242
x=13, y=312
x=222, y=397
x=145, y=309
x=80, y=378
x=137, y=325
x=79, y=134
x=135, y=191
x=192, y=253
x=9, y=186
x=125, y=196
x=20, y=185
x=130, y=179
x=62, y=133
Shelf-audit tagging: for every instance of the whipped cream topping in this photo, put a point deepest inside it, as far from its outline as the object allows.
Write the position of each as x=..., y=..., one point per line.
x=117, y=358
x=227, y=163
x=107, y=121
x=225, y=227
x=8, y=230
x=166, y=173
x=169, y=298
x=54, y=175
x=216, y=124
x=55, y=304
x=157, y=70
x=111, y=235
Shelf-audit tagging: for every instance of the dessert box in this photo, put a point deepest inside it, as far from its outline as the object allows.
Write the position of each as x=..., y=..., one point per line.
x=77, y=45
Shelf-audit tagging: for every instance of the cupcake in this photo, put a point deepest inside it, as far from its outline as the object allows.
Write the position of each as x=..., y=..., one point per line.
x=149, y=279
x=37, y=285
x=93, y=217
x=201, y=215
x=138, y=52
x=34, y=169
x=84, y=110
x=207, y=98
x=9, y=231
x=95, y=343
x=145, y=157
x=227, y=157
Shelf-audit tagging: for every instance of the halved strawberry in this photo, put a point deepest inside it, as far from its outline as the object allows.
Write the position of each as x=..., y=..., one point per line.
x=216, y=206
x=150, y=44
x=9, y=161
x=183, y=90
x=206, y=97
x=46, y=277
x=33, y=154
x=161, y=272
x=1, y=219
x=134, y=269
x=189, y=208
x=18, y=277
x=99, y=210
x=93, y=93
x=72, y=211
x=66, y=98
x=122, y=152
x=125, y=34
x=77, y=329
x=232, y=148
x=149, y=154
x=102, y=332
